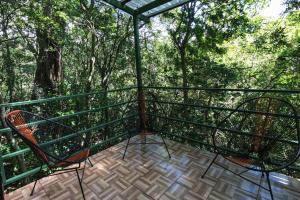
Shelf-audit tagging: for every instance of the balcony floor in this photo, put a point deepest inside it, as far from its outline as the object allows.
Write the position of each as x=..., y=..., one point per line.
x=147, y=173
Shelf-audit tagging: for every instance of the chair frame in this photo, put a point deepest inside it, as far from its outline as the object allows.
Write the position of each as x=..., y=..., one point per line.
x=131, y=134
x=153, y=132
x=262, y=170
x=51, y=169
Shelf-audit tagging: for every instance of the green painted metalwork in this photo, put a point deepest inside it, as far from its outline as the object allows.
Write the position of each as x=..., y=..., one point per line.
x=23, y=103
x=151, y=5
x=295, y=167
x=2, y=172
x=5, y=130
x=36, y=170
x=16, y=153
x=125, y=8
x=65, y=117
x=23, y=151
x=125, y=1
x=146, y=8
x=161, y=9
x=223, y=89
x=138, y=69
x=216, y=108
x=212, y=126
x=140, y=88
x=161, y=116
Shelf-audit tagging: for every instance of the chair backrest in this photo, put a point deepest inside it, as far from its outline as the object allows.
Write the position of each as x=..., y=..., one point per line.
x=263, y=129
x=18, y=120
x=52, y=142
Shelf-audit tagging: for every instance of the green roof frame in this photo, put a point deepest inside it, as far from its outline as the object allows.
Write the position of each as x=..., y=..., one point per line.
x=143, y=10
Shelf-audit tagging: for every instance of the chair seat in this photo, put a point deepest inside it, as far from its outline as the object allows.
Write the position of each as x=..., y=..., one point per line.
x=76, y=158
x=245, y=162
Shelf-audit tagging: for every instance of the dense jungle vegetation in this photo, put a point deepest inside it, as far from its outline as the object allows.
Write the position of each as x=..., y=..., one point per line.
x=63, y=47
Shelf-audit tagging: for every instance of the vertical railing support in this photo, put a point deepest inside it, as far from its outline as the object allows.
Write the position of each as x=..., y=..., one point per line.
x=138, y=62
x=2, y=178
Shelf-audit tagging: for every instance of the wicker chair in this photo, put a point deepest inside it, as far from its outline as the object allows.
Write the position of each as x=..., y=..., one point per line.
x=58, y=147
x=261, y=134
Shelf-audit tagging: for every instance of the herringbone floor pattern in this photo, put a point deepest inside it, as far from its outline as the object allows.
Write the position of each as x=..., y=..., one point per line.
x=147, y=173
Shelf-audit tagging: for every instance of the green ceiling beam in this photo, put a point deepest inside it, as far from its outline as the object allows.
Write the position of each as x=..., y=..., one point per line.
x=151, y=5
x=125, y=1
x=175, y=5
x=126, y=9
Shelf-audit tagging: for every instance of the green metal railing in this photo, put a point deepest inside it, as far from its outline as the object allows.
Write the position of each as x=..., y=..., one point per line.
x=192, y=121
x=121, y=104
x=205, y=107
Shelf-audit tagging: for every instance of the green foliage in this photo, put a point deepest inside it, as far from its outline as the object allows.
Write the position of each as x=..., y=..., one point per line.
x=268, y=57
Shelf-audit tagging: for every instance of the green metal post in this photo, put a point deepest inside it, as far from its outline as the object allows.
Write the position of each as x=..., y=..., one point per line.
x=138, y=62
x=2, y=178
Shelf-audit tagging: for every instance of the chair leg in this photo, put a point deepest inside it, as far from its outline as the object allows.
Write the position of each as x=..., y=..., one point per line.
x=259, y=187
x=83, y=171
x=35, y=181
x=210, y=165
x=129, y=137
x=1, y=190
x=80, y=184
x=90, y=162
x=269, y=184
x=165, y=145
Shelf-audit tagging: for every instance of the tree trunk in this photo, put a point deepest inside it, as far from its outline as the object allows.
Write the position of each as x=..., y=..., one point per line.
x=104, y=86
x=88, y=86
x=91, y=69
x=9, y=66
x=49, y=66
x=184, y=74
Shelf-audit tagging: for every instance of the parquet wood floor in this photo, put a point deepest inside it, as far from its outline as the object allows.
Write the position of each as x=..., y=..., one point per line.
x=147, y=173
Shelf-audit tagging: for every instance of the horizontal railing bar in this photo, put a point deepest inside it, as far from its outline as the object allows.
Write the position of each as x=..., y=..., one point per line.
x=182, y=120
x=22, y=103
x=4, y=130
x=223, y=89
x=88, y=130
x=190, y=139
x=23, y=175
x=223, y=129
x=109, y=140
x=2, y=172
x=210, y=145
x=223, y=109
x=22, y=151
x=16, y=153
x=36, y=170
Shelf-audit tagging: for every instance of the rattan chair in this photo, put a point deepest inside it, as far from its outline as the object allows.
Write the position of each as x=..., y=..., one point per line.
x=261, y=134
x=58, y=147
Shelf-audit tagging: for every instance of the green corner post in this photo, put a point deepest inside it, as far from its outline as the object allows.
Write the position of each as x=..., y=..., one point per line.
x=1, y=189
x=138, y=62
x=2, y=177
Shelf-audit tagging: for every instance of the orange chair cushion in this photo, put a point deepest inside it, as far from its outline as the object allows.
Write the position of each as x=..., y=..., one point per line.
x=241, y=161
x=75, y=158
